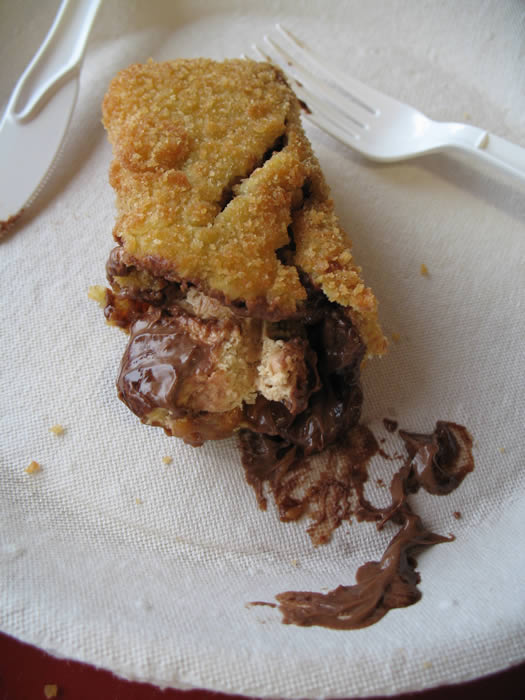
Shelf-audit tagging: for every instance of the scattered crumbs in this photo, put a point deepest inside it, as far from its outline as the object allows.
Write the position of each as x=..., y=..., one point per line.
x=502, y=450
x=427, y=665
x=57, y=429
x=295, y=563
x=380, y=483
x=167, y=459
x=423, y=270
x=396, y=337
x=50, y=690
x=138, y=501
x=98, y=293
x=456, y=514
x=33, y=467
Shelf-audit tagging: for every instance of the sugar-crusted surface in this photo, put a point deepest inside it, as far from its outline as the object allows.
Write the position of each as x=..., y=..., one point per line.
x=211, y=168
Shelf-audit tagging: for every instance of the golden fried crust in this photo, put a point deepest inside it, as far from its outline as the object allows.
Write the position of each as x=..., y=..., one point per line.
x=212, y=169
x=324, y=254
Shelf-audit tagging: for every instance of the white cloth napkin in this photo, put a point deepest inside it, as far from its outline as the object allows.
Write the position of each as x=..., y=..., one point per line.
x=110, y=556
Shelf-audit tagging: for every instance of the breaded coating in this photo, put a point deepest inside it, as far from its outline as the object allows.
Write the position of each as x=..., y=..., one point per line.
x=214, y=176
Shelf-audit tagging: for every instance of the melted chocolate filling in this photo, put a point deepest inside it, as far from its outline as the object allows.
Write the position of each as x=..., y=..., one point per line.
x=278, y=441
x=334, y=402
x=157, y=358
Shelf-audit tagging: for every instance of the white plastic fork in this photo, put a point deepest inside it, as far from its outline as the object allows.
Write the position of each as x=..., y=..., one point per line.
x=377, y=126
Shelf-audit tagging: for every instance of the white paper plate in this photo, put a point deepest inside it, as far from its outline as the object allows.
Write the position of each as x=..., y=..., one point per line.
x=156, y=590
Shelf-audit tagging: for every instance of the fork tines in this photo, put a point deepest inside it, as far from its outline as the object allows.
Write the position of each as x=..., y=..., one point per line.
x=326, y=94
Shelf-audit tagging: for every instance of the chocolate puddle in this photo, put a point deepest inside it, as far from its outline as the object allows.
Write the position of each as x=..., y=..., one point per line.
x=436, y=462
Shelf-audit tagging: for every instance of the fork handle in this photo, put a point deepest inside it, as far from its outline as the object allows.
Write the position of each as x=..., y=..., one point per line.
x=504, y=154
x=489, y=147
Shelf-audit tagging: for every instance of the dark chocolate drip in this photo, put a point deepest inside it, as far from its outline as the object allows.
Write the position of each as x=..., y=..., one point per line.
x=262, y=457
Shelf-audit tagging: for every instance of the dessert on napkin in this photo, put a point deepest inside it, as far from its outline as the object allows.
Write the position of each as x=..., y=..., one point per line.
x=247, y=313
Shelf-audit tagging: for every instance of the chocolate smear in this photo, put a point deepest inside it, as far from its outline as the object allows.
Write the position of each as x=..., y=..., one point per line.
x=436, y=462
x=381, y=586
x=440, y=461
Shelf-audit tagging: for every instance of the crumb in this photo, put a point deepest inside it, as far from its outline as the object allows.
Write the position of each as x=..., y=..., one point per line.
x=467, y=116
x=295, y=563
x=138, y=501
x=390, y=425
x=50, y=690
x=57, y=429
x=396, y=337
x=423, y=270
x=167, y=459
x=380, y=483
x=484, y=141
x=427, y=665
x=456, y=514
x=502, y=450
x=98, y=293
x=33, y=467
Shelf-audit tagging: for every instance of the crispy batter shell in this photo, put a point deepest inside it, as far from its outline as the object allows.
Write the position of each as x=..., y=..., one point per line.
x=212, y=170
